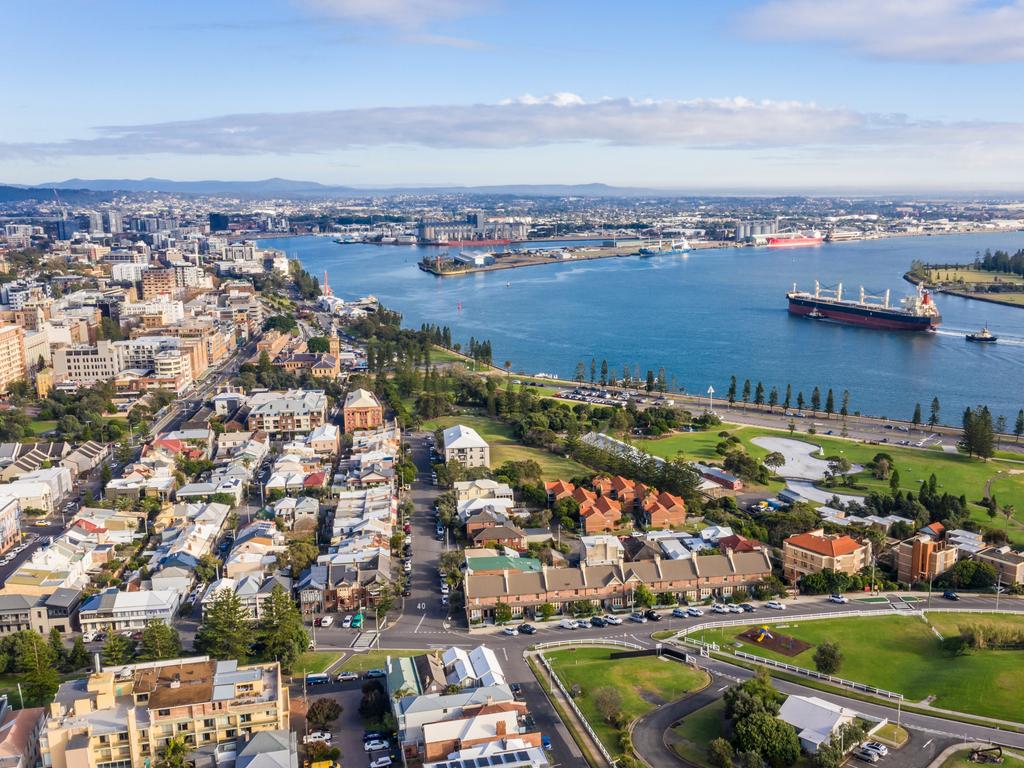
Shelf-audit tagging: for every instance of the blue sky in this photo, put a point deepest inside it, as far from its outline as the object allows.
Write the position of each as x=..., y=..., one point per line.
x=798, y=94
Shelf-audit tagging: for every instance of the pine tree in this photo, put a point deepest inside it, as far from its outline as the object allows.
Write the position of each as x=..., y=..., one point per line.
x=933, y=417
x=33, y=657
x=731, y=394
x=117, y=651
x=57, y=646
x=1018, y=427
x=916, y=418
x=581, y=372
x=773, y=398
x=746, y=391
x=759, y=394
x=79, y=656
x=789, y=397
x=159, y=641
x=280, y=633
x=800, y=400
x=650, y=381
x=604, y=372
x=844, y=409
x=225, y=632
x=830, y=403
x=593, y=371
x=816, y=400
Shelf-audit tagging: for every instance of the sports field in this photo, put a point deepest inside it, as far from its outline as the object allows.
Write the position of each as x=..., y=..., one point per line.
x=901, y=654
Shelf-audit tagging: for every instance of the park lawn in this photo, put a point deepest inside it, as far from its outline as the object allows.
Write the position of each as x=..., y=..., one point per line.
x=361, y=662
x=968, y=275
x=947, y=623
x=961, y=759
x=442, y=355
x=643, y=683
x=40, y=426
x=691, y=737
x=900, y=653
x=314, y=661
x=505, y=448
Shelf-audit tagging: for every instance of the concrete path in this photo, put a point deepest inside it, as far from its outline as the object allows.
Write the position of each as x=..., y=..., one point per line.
x=803, y=467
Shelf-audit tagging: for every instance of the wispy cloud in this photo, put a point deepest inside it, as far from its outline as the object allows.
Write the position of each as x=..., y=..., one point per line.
x=531, y=121
x=413, y=21
x=927, y=30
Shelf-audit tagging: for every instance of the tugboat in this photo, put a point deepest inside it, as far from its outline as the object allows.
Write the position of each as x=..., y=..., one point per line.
x=984, y=336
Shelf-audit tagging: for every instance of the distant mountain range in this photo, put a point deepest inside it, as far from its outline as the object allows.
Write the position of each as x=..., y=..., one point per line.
x=291, y=188
x=15, y=194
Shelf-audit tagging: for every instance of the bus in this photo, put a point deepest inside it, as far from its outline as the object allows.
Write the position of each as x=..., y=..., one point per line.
x=317, y=678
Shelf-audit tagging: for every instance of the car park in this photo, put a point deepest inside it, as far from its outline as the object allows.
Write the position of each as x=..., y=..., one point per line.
x=375, y=745
x=526, y=629
x=775, y=605
x=841, y=599
x=510, y=631
x=613, y=621
x=638, y=617
x=691, y=611
x=347, y=677
x=876, y=746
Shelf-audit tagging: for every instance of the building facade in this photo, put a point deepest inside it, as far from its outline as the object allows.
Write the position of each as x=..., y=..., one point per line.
x=816, y=551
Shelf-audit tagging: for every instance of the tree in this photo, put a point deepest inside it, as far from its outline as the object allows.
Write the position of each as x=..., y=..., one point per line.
x=225, y=632
x=33, y=657
x=280, y=632
x=57, y=646
x=830, y=403
x=720, y=753
x=105, y=475
x=322, y=712
x=844, y=409
x=206, y=568
x=173, y=754
x=546, y=610
x=642, y=596
x=1018, y=426
x=731, y=394
x=159, y=641
x=604, y=372
x=78, y=657
x=649, y=384
x=759, y=394
x=828, y=658
x=776, y=741
x=581, y=372
x=894, y=481
x=815, y=400
x=800, y=400
x=124, y=452
x=502, y=613
x=318, y=345
x=774, y=460
x=789, y=397
x=916, y=418
x=933, y=416
x=751, y=696
x=773, y=399
x=593, y=371
x=745, y=396
x=117, y=650
x=608, y=703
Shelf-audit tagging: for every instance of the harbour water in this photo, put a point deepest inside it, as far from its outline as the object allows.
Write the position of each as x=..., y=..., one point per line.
x=707, y=315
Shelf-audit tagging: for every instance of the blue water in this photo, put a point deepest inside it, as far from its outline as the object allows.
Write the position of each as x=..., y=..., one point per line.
x=708, y=315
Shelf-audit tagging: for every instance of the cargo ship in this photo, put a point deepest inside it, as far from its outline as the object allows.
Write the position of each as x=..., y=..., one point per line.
x=794, y=240
x=467, y=243
x=914, y=313
x=662, y=248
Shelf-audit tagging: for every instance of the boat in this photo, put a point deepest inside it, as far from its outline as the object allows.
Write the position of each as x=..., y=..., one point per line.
x=794, y=240
x=984, y=336
x=914, y=313
x=661, y=249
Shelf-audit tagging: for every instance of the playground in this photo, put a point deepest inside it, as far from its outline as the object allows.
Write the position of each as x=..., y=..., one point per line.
x=773, y=640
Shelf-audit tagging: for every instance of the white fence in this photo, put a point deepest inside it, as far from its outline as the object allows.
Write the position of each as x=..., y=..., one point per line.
x=587, y=641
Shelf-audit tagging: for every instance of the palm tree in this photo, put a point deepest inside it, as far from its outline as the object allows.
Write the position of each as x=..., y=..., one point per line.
x=173, y=753
x=508, y=367
x=1008, y=513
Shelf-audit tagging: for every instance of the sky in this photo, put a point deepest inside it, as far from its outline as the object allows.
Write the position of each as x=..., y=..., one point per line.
x=803, y=95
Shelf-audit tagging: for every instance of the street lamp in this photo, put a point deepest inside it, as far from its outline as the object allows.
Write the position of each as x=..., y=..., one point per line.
x=711, y=398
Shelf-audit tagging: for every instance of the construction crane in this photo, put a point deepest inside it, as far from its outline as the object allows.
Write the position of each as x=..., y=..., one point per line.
x=60, y=206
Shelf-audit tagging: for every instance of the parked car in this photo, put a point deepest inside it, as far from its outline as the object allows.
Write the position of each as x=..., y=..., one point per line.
x=613, y=621
x=444, y=599
x=376, y=744
x=407, y=566
x=407, y=527
x=511, y=631
x=598, y=622
x=719, y=608
x=949, y=594
x=88, y=637
x=568, y=624
x=444, y=588
x=867, y=755
x=583, y=624
x=406, y=592
x=691, y=611
x=638, y=617
x=517, y=691
x=381, y=762
x=529, y=723
x=312, y=736
x=733, y=608
x=347, y=677
x=545, y=742
x=347, y=622
x=372, y=674
x=357, y=621
x=775, y=605
x=326, y=621
x=841, y=599
x=652, y=614
x=876, y=746
x=526, y=629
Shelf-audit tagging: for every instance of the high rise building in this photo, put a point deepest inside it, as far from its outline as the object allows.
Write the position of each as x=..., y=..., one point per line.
x=115, y=222
x=218, y=222
x=95, y=220
x=12, y=355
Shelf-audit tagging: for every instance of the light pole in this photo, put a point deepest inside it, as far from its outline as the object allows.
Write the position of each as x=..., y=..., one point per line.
x=711, y=399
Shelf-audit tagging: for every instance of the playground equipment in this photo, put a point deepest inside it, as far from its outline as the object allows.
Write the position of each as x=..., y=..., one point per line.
x=762, y=634
x=993, y=754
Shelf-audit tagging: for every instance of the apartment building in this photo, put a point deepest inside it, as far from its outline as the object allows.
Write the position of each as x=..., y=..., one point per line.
x=921, y=558
x=816, y=551
x=464, y=445
x=362, y=410
x=159, y=282
x=12, y=355
x=1009, y=565
x=85, y=364
x=116, y=611
x=292, y=412
x=10, y=522
x=124, y=716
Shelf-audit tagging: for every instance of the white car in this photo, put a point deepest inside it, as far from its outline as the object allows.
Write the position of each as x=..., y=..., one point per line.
x=407, y=566
x=583, y=624
x=376, y=744
x=511, y=631
x=719, y=608
x=841, y=599
x=317, y=736
x=613, y=620
x=444, y=588
x=326, y=621
x=381, y=762
x=694, y=612
x=347, y=622
x=775, y=605
x=568, y=624
x=88, y=637
x=734, y=608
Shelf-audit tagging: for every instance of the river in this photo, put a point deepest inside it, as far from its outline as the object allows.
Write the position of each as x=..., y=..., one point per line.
x=708, y=315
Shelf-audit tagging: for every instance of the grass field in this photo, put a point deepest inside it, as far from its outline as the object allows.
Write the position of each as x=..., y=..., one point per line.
x=691, y=737
x=947, y=623
x=967, y=275
x=40, y=426
x=957, y=473
x=900, y=653
x=643, y=683
x=961, y=760
x=505, y=448
x=314, y=661
x=361, y=662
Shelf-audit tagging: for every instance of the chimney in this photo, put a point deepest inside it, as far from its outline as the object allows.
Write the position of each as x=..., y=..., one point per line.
x=500, y=729
x=732, y=563
x=97, y=665
x=490, y=700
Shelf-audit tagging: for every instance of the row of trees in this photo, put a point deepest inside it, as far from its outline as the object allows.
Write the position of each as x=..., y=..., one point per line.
x=630, y=379
x=758, y=396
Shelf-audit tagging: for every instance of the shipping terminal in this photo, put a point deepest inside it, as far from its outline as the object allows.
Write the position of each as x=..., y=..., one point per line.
x=915, y=313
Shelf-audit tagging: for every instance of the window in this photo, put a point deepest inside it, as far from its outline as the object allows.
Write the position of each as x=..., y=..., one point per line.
x=163, y=712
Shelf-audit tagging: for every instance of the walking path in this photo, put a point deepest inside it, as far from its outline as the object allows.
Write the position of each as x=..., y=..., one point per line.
x=803, y=467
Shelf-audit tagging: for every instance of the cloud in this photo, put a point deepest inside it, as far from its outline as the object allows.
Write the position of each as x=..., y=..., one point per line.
x=531, y=121
x=926, y=30
x=413, y=19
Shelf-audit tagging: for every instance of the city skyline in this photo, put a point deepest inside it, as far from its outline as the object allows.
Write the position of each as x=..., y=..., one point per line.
x=763, y=94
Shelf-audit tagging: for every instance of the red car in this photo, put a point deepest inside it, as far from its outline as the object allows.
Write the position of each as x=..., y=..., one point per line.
x=407, y=528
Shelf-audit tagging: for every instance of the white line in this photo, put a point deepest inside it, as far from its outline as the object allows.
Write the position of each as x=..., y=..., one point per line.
x=417, y=629
x=505, y=650
x=724, y=687
x=925, y=746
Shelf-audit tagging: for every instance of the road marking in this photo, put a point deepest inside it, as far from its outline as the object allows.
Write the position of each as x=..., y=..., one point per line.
x=418, y=623
x=505, y=649
x=724, y=687
x=925, y=746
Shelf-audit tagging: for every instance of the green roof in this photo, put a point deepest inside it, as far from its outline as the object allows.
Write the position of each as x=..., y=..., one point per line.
x=503, y=563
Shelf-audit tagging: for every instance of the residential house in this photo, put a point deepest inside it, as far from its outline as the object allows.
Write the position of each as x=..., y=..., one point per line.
x=664, y=511
x=815, y=551
x=464, y=445
x=362, y=410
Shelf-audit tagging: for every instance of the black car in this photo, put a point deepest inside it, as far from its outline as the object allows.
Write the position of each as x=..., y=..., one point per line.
x=652, y=615
x=526, y=629
x=406, y=592
x=517, y=691
x=529, y=723
x=949, y=594
x=597, y=621
x=373, y=736
x=747, y=607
